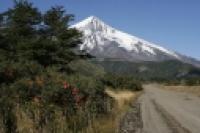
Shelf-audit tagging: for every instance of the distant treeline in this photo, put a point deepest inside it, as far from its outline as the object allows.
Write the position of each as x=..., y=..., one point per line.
x=172, y=71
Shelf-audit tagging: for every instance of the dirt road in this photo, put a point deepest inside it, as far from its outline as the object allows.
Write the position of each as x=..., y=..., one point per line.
x=162, y=111
x=166, y=111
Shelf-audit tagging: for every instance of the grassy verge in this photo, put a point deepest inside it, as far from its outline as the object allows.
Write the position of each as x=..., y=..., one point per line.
x=110, y=123
x=195, y=90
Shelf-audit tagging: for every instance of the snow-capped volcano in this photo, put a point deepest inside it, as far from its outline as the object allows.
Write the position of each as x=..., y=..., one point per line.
x=104, y=41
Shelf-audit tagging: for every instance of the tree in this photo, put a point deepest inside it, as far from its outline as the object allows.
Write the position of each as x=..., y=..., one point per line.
x=19, y=27
x=46, y=39
x=60, y=38
x=27, y=36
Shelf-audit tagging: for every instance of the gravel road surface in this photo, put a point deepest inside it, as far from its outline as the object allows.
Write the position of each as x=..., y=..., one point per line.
x=166, y=111
x=162, y=111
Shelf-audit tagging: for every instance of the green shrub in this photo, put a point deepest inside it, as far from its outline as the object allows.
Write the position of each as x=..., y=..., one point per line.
x=122, y=82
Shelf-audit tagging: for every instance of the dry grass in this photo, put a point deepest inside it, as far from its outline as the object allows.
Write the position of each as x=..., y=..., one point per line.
x=106, y=124
x=195, y=90
x=122, y=97
x=109, y=124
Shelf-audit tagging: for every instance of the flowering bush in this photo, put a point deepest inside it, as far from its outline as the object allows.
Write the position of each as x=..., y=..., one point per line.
x=35, y=74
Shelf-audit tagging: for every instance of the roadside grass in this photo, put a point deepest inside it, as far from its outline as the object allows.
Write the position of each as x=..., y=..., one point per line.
x=195, y=90
x=27, y=118
x=122, y=97
x=110, y=123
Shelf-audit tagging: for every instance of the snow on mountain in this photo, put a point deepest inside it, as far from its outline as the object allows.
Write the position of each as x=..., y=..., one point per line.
x=104, y=41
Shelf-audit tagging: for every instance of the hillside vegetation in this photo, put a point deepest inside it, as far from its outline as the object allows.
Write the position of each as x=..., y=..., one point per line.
x=171, y=72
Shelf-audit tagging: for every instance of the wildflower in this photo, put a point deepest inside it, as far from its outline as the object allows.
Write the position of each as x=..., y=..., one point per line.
x=65, y=85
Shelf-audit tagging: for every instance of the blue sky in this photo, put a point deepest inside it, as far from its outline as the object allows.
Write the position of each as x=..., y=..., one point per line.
x=173, y=24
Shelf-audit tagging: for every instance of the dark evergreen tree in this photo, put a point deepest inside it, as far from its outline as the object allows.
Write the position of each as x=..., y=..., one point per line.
x=28, y=35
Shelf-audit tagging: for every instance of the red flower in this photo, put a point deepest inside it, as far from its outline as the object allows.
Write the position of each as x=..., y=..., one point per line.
x=65, y=85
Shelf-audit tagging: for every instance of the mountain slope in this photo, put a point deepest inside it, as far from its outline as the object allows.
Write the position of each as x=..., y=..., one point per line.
x=104, y=41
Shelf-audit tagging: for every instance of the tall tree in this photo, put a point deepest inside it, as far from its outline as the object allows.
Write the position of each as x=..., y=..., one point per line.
x=27, y=35
x=63, y=39
x=19, y=26
x=46, y=38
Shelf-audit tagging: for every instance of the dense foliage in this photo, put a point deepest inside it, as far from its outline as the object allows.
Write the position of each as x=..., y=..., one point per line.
x=122, y=82
x=39, y=83
x=46, y=84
